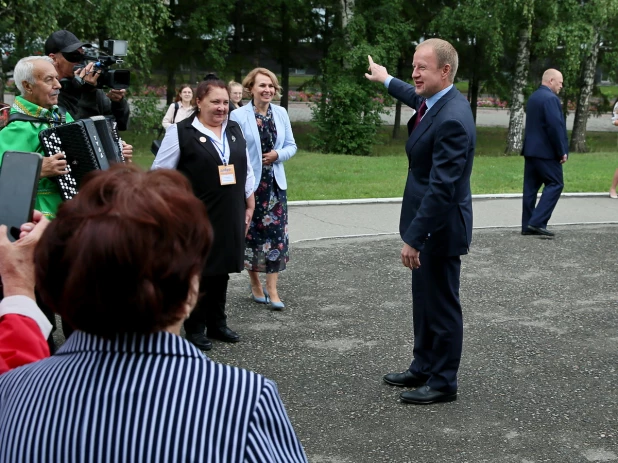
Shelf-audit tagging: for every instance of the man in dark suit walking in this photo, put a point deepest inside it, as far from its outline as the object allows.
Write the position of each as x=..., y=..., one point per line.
x=545, y=150
x=436, y=216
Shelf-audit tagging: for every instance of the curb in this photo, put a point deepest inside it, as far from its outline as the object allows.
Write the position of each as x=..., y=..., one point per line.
x=341, y=202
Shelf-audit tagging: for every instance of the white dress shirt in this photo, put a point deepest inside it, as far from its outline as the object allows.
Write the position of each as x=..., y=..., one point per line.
x=169, y=153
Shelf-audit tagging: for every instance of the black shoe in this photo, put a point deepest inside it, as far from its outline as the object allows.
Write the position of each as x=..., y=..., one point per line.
x=199, y=340
x=426, y=395
x=405, y=379
x=540, y=231
x=223, y=334
x=528, y=232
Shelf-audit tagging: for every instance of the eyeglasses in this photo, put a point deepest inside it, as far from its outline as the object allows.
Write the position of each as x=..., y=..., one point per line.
x=73, y=57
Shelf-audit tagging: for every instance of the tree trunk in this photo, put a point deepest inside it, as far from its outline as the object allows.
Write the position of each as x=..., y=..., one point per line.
x=474, y=83
x=578, y=136
x=516, y=122
x=397, y=125
x=346, y=9
x=285, y=54
x=193, y=71
x=236, y=39
x=327, y=38
x=171, y=85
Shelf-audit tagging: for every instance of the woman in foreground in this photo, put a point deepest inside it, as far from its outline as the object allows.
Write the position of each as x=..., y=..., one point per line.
x=121, y=263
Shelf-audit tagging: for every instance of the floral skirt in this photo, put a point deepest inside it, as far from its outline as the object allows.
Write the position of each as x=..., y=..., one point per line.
x=267, y=240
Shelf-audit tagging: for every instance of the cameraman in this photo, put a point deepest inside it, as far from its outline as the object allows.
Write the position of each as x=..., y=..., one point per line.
x=79, y=94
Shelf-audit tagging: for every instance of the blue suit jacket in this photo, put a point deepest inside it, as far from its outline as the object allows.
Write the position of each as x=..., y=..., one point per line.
x=546, y=135
x=436, y=212
x=285, y=146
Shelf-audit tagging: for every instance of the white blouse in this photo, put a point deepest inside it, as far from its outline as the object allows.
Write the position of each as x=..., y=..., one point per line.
x=182, y=113
x=169, y=153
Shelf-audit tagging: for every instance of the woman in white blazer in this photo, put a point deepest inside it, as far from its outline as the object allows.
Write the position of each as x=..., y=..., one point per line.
x=270, y=143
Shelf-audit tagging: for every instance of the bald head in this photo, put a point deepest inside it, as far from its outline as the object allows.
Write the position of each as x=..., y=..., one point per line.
x=552, y=78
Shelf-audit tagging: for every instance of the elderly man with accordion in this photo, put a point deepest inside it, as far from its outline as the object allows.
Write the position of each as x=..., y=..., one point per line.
x=70, y=149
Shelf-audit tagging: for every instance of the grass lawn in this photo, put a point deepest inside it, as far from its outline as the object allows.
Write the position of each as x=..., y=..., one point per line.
x=383, y=175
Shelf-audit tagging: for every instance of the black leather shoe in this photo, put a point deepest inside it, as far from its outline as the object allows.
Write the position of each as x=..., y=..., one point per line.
x=540, y=231
x=405, y=379
x=528, y=232
x=426, y=395
x=223, y=334
x=199, y=340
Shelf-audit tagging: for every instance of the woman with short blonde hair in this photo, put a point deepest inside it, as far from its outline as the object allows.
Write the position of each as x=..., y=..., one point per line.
x=270, y=143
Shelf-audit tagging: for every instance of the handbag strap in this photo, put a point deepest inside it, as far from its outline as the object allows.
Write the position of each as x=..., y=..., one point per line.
x=175, y=112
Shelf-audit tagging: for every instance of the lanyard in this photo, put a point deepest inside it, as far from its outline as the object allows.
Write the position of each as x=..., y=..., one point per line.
x=221, y=152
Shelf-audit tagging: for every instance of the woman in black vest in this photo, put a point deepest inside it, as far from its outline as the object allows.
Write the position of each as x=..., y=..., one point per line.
x=211, y=151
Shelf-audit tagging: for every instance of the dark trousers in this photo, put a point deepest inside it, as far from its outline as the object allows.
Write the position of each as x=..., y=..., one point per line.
x=537, y=172
x=437, y=320
x=210, y=309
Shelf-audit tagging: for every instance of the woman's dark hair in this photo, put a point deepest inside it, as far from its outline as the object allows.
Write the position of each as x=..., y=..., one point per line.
x=210, y=81
x=120, y=256
x=179, y=97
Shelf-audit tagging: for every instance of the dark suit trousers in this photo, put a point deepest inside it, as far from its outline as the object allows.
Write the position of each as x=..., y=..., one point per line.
x=437, y=320
x=210, y=308
x=537, y=172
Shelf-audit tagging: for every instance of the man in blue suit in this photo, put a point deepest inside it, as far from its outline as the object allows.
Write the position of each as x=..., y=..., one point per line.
x=545, y=150
x=436, y=216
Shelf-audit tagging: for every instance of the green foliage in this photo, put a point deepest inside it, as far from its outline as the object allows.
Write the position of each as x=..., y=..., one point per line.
x=349, y=116
x=349, y=121
x=146, y=116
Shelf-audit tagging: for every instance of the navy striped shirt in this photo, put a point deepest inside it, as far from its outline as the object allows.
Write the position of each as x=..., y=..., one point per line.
x=141, y=398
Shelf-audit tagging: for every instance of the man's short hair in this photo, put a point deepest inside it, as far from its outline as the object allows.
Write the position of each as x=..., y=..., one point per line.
x=550, y=74
x=24, y=70
x=63, y=42
x=446, y=54
x=121, y=256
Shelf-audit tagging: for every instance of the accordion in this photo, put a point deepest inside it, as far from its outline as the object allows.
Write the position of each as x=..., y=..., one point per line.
x=88, y=144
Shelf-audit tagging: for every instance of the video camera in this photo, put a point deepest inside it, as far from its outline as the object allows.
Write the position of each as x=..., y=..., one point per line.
x=110, y=53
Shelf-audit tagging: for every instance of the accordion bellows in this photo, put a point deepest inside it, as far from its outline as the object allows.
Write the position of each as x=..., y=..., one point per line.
x=88, y=144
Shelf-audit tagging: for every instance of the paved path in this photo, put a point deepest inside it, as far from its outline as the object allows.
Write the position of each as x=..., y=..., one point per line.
x=310, y=220
x=538, y=380
x=484, y=117
x=301, y=112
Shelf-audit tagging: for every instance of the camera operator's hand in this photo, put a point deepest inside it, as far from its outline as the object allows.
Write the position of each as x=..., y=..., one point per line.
x=116, y=95
x=127, y=152
x=89, y=74
x=54, y=165
x=17, y=259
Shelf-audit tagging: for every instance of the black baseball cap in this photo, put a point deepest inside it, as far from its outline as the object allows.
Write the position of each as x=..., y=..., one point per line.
x=63, y=42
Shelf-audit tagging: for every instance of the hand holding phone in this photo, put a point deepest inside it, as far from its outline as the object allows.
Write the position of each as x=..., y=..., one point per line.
x=16, y=259
x=19, y=178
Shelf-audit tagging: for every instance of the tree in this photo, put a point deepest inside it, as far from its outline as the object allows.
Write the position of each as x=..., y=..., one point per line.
x=348, y=123
x=23, y=23
x=474, y=27
x=600, y=16
x=524, y=10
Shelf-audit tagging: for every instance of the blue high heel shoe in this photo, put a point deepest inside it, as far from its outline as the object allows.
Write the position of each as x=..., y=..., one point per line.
x=259, y=300
x=277, y=305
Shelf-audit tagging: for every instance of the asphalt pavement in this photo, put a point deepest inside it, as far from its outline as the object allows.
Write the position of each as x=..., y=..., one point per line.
x=539, y=375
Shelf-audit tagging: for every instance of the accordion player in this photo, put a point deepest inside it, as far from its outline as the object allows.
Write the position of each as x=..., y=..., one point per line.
x=87, y=144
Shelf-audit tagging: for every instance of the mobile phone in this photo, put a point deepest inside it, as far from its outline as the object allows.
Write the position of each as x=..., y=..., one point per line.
x=19, y=178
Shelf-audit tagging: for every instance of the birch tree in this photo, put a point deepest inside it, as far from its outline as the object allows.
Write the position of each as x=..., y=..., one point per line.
x=524, y=9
